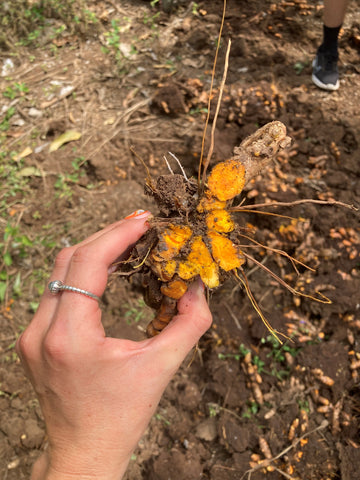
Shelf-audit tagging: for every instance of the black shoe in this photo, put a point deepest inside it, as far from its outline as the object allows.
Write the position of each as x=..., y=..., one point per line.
x=325, y=71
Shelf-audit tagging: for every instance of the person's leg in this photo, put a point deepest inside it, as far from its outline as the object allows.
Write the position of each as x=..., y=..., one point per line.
x=325, y=71
x=334, y=12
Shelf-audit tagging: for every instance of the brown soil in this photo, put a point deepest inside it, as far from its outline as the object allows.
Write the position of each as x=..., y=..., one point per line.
x=215, y=421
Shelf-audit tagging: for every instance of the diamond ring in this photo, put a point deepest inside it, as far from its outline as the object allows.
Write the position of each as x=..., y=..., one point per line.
x=57, y=286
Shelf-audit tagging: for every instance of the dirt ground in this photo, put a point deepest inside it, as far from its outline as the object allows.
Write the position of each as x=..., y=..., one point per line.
x=242, y=406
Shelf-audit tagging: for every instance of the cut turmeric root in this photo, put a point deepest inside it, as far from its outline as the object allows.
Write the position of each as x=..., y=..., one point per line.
x=200, y=238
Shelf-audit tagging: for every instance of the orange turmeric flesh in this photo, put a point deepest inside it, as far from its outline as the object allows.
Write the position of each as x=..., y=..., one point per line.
x=171, y=241
x=227, y=255
x=227, y=179
x=200, y=262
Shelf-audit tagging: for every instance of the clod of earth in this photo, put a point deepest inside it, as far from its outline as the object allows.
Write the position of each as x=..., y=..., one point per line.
x=195, y=234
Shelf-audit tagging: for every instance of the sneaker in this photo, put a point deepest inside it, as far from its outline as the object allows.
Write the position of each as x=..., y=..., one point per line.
x=325, y=71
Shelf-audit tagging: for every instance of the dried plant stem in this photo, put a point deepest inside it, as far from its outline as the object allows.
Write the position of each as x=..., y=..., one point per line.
x=212, y=137
x=148, y=177
x=291, y=204
x=210, y=93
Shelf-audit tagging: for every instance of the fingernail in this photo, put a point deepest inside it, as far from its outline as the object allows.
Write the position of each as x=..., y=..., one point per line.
x=198, y=286
x=138, y=214
x=112, y=269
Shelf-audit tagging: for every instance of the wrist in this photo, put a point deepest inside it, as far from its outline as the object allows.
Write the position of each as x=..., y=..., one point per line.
x=92, y=467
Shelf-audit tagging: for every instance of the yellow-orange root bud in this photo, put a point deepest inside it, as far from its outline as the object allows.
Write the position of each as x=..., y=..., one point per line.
x=225, y=253
x=171, y=241
x=209, y=203
x=227, y=179
x=174, y=289
x=200, y=262
x=169, y=269
x=220, y=220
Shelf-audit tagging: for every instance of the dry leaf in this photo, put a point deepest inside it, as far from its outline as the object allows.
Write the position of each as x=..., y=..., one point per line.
x=29, y=172
x=25, y=153
x=66, y=137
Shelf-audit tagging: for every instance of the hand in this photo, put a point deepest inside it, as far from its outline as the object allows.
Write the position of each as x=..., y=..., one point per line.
x=98, y=393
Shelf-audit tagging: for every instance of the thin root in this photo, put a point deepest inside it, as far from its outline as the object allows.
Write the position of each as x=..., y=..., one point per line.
x=245, y=284
x=293, y=260
x=239, y=208
x=180, y=166
x=323, y=298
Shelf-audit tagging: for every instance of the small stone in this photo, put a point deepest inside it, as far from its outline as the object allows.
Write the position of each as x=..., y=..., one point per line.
x=34, y=112
x=33, y=436
x=7, y=67
x=13, y=464
x=207, y=430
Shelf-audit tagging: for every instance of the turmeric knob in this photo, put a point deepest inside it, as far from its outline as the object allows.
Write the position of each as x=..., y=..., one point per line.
x=227, y=179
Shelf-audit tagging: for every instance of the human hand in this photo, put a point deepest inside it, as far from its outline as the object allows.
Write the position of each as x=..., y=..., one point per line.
x=98, y=393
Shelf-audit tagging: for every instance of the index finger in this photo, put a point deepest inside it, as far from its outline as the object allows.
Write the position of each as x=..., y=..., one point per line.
x=88, y=270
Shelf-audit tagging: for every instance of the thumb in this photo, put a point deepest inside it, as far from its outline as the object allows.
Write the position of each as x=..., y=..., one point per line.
x=191, y=322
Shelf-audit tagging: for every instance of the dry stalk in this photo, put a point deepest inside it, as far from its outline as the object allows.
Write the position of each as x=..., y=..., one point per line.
x=210, y=93
x=212, y=136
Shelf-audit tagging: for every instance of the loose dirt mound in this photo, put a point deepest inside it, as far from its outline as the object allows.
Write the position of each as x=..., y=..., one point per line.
x=142, y=78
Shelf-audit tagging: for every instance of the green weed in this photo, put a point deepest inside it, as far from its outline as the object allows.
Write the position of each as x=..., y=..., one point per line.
x=277, y=357
x=243, y=351
x=24, y=22
x=135, y=313
x=162, y=419
x=5, y=124
x=303, y=405
x=214, y=409
x=14, y=246
x=251, y=409
x=14, y=243
x=15, y=90
x=65, y=181
x=114, y=45
x=278, y=349
x=151, y=20
x=194, y=8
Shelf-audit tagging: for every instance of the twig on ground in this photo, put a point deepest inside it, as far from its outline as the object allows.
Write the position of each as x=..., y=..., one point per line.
x=265, y=463
x=233, y=316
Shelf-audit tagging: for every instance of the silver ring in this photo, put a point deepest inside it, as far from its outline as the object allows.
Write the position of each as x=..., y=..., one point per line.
x=57, y=286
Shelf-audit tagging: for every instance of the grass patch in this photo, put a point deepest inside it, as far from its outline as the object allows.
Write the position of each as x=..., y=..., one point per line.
x=23, y=22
